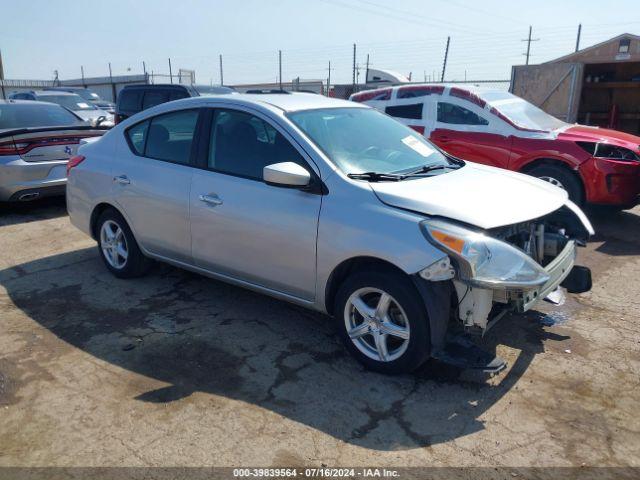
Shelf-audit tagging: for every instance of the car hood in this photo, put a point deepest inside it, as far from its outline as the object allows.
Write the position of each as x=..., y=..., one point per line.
x=582, y=133
x=475, y=194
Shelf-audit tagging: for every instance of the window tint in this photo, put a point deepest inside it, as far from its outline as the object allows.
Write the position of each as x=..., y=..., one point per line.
x=16, y=115
x=243, y=145
x=130, y=100
x=151, y=99
x=405, y=111
x=138, y=135
x=177, y=95
x=170, y=136
x=457, y=115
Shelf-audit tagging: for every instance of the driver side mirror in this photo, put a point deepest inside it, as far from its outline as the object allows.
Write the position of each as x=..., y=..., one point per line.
x=286, y=174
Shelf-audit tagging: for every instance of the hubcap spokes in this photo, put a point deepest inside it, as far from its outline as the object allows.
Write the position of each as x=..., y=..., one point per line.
x=553, y=181
x=376, y=324
x=113, y=244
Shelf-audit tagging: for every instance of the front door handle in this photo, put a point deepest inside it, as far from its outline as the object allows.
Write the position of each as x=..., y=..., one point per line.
x=122, y=180
x=210, y=199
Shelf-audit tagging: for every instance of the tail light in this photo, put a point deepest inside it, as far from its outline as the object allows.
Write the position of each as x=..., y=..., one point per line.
x=11, y=148
x=74, y=162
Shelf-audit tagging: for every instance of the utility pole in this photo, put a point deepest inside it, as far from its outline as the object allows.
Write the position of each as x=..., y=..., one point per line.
x=578, y=37
x=366, y=71
x=529, y=40
x=2, y=76
x=82, y=73
x=113, y=86
x=354, y=68
x=329, y=79
x=221, y=76
x=446, y=54
x=280, y=68
x=170, y=73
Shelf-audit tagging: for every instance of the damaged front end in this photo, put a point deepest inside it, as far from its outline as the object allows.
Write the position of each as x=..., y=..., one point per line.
x=509, y=268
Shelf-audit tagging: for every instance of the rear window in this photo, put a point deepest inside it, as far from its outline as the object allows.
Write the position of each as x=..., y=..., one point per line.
x=39, y=115
x=413, y=111
x=129, y=100
x=154, y=97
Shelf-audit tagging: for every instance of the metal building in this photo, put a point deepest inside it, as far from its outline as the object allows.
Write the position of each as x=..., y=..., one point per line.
x=598, y=85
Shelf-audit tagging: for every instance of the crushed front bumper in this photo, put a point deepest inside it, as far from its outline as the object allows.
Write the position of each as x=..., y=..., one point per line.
x=559, y=269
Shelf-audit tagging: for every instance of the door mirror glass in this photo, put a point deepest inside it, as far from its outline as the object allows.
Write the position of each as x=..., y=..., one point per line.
x=286, y=174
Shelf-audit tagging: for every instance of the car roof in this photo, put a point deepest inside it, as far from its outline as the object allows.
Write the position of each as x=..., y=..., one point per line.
x=289, y=103
x=52, y=92
x=26, y=102
x=154, y=85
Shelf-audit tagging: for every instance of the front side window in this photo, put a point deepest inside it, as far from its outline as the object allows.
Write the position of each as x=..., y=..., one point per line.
x=165, y=137
x=243, y=144
x=362, y=140
x=413, y=111
x=457, y=115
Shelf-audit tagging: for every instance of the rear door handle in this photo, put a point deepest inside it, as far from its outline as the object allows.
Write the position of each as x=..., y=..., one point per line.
x=122, y=180
x=210, y=199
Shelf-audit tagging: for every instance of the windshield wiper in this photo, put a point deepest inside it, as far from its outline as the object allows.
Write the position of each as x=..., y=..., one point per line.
x=376, y=177
x=429, y=168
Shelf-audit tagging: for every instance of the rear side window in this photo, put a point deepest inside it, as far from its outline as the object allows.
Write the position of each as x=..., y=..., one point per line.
x=138, y=136
x=177, y=95
x=457, y=115
x=413, y=110
x=165, y=137
x=153, y=98
x=170, y=136
x=129, y=100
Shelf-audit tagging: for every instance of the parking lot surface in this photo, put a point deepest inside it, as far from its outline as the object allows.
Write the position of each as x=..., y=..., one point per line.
x=174, y=369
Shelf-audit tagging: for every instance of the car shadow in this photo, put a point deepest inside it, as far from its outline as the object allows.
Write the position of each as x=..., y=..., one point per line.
x=199, y=335
x=22, y=212
x=617, y=230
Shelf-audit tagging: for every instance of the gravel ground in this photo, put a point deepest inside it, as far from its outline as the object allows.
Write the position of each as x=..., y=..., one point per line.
x=178, y=370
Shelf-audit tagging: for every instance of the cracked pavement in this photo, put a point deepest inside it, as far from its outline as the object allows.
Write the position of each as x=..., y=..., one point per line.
x=175, y=369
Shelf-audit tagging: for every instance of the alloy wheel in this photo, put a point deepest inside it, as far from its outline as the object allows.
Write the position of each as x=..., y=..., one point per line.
x=553, y=181
x=114, y=244
x=376, y=324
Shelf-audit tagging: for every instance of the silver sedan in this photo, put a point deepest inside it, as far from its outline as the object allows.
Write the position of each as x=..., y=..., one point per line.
x=333, y=206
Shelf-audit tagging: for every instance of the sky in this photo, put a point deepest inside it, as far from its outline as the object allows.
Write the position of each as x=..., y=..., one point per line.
x=408, y=36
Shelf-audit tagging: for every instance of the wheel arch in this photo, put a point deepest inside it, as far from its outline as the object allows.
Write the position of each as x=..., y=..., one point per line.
x=557, y=163
x=95, y=215
x=350, y=266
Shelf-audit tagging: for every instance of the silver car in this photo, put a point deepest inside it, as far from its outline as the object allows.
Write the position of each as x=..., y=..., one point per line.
x=336, y=207
x=36, y=141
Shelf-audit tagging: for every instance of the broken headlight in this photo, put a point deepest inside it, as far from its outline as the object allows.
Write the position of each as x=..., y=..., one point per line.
x=484, y=261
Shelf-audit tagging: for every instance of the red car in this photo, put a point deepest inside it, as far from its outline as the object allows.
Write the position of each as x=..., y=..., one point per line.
x=497, y=128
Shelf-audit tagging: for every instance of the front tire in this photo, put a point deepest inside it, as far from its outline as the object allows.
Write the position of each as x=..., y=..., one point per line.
x=383, y=322
x=562, y=178
x=118, y=248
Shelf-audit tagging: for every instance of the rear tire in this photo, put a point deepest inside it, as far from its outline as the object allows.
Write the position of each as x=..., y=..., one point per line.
x=561, y=178
x=383, y=322
x=118, y=247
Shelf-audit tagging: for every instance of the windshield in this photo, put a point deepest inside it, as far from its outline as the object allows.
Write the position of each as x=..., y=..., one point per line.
x=71, y=101
x=521, y=112
x=362, y=140
x=88, y=95
x=16, y=115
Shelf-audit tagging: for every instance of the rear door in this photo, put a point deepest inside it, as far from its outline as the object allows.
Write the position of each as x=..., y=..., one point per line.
x=468, y=132
x=152, y=180
x=243, y=228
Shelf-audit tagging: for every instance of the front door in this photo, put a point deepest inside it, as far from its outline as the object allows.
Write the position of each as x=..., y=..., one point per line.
x=240, y=226
x=469, y=135
x=152, y=179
